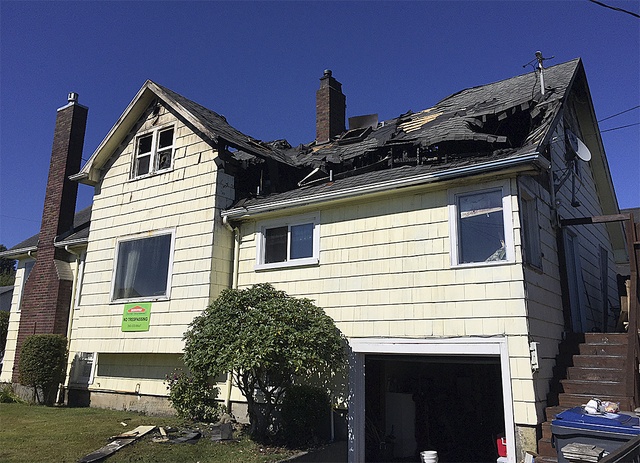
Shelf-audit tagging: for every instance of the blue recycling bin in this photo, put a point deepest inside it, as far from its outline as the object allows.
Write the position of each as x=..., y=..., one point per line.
x=608, y=431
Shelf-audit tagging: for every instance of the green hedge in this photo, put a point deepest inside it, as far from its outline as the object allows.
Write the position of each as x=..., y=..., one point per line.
x=43, y=359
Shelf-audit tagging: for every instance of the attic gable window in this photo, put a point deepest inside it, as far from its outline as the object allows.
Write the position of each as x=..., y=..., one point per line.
x=288, y=242
x=154, y=151
x=480, y=225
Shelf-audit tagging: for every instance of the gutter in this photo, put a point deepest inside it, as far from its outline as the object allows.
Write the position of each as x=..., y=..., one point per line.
x=534, y=158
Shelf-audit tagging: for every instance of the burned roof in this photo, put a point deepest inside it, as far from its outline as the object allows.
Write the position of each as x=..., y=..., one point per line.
x=504, y=120
x=220, y=128
x=509, y=114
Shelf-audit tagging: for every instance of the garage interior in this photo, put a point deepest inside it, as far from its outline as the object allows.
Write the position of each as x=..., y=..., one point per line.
x=451, y=404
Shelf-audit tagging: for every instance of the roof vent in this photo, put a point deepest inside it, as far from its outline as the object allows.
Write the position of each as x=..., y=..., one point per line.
x=72, y=97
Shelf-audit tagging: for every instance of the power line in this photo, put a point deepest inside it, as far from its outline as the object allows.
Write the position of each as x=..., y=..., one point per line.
x=621, y=112
x=622, y=10
x=621, y=127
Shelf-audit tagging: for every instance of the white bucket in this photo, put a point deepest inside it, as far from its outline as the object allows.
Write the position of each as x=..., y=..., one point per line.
x=429, y=456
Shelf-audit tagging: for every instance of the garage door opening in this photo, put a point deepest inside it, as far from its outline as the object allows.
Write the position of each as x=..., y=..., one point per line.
x=451, y=404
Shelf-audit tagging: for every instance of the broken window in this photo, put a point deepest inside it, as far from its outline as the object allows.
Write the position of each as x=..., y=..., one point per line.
x=154, y=152
x=288, y=242
x=480, y=227
x=142, y=267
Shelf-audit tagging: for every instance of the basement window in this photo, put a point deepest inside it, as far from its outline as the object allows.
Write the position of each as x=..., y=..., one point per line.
x=142, y=267
x=480, y=224
x=154, y=151
x=288, y=242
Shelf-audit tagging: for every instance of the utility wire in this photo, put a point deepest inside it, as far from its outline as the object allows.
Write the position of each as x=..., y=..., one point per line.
x=621, y=112
x=622, y=10
x=621, y=127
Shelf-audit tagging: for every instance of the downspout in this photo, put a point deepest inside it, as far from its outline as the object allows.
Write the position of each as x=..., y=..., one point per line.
x=72, y=307
x=234, y=285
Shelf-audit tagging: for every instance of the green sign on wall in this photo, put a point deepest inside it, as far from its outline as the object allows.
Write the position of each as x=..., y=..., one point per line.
x=136, y=317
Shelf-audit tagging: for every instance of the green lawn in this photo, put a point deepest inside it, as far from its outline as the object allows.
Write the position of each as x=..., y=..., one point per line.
x=30, y=433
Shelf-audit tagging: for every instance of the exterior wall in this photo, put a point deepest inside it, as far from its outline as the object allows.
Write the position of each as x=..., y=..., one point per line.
x=591, y=237
x=8, y=364
x=543, y=286
x=182, y=199
x=385, y=271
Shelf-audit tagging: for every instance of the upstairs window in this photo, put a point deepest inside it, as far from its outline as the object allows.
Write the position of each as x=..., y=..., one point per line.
x=481, y=229
x=154, y=152
x=142, y=268
x=288, y=243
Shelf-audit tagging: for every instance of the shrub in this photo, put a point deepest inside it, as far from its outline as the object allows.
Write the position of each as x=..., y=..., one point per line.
x=305, y=412
x=7, y=396
x=266, y=339
x=42, y=365
x=4, y=328
x=193, y=398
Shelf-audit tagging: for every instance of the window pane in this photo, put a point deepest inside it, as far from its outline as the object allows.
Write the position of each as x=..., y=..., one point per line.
x=275, y=245
x=302, y=241
x=165, y=139
x=143, y=267
x=481, y=227
x=164, y=159
x=142, y=166
x=144, y=144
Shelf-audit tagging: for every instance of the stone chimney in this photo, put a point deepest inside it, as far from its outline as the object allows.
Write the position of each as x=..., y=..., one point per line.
x=47, y=293
x=331, y=107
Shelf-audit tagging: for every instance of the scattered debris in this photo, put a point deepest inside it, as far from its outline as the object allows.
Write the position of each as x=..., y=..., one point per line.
x=117, y=442
x=189, y=438
x=123, y=423
x=582, y=452
x=163, y=436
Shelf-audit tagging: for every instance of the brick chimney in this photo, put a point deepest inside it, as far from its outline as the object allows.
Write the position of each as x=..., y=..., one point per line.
x=331, y=107
x=47, y=293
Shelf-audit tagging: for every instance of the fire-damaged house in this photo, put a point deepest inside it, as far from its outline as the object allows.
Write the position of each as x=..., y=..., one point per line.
x=463, y=250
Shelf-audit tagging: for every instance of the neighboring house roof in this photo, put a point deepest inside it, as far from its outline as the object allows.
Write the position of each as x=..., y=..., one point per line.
x=79, y=235
x=212, y=127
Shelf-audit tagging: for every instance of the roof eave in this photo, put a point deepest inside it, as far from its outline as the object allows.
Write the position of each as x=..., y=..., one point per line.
x=17, y=253
x=524, y=161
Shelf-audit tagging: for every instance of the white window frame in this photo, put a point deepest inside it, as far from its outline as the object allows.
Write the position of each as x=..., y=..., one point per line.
x=25, y=276
x=507, y=219
x=153, y=155
x=140, y=236
x=288, y=222
x=530, y=230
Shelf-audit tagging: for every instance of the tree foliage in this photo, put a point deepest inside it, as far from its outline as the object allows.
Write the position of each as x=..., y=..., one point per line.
x=7, y=269
x=43, y=358
x=4, y=329
x=267, y=339
x=192, y=397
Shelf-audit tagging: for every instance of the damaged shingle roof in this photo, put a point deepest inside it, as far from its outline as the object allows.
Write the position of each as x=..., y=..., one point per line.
x=219, y=126
x=462, y=117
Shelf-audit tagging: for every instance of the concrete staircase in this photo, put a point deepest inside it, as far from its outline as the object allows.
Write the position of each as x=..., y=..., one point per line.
x=587, y=366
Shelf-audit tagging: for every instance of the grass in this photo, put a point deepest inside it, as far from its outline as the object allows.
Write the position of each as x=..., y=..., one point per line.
x=31, y=433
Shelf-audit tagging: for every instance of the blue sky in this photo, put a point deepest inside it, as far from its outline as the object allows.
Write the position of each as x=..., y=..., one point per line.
x=259, y=64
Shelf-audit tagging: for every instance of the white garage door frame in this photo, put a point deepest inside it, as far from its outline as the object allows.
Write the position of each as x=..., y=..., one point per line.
x=360, y=347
